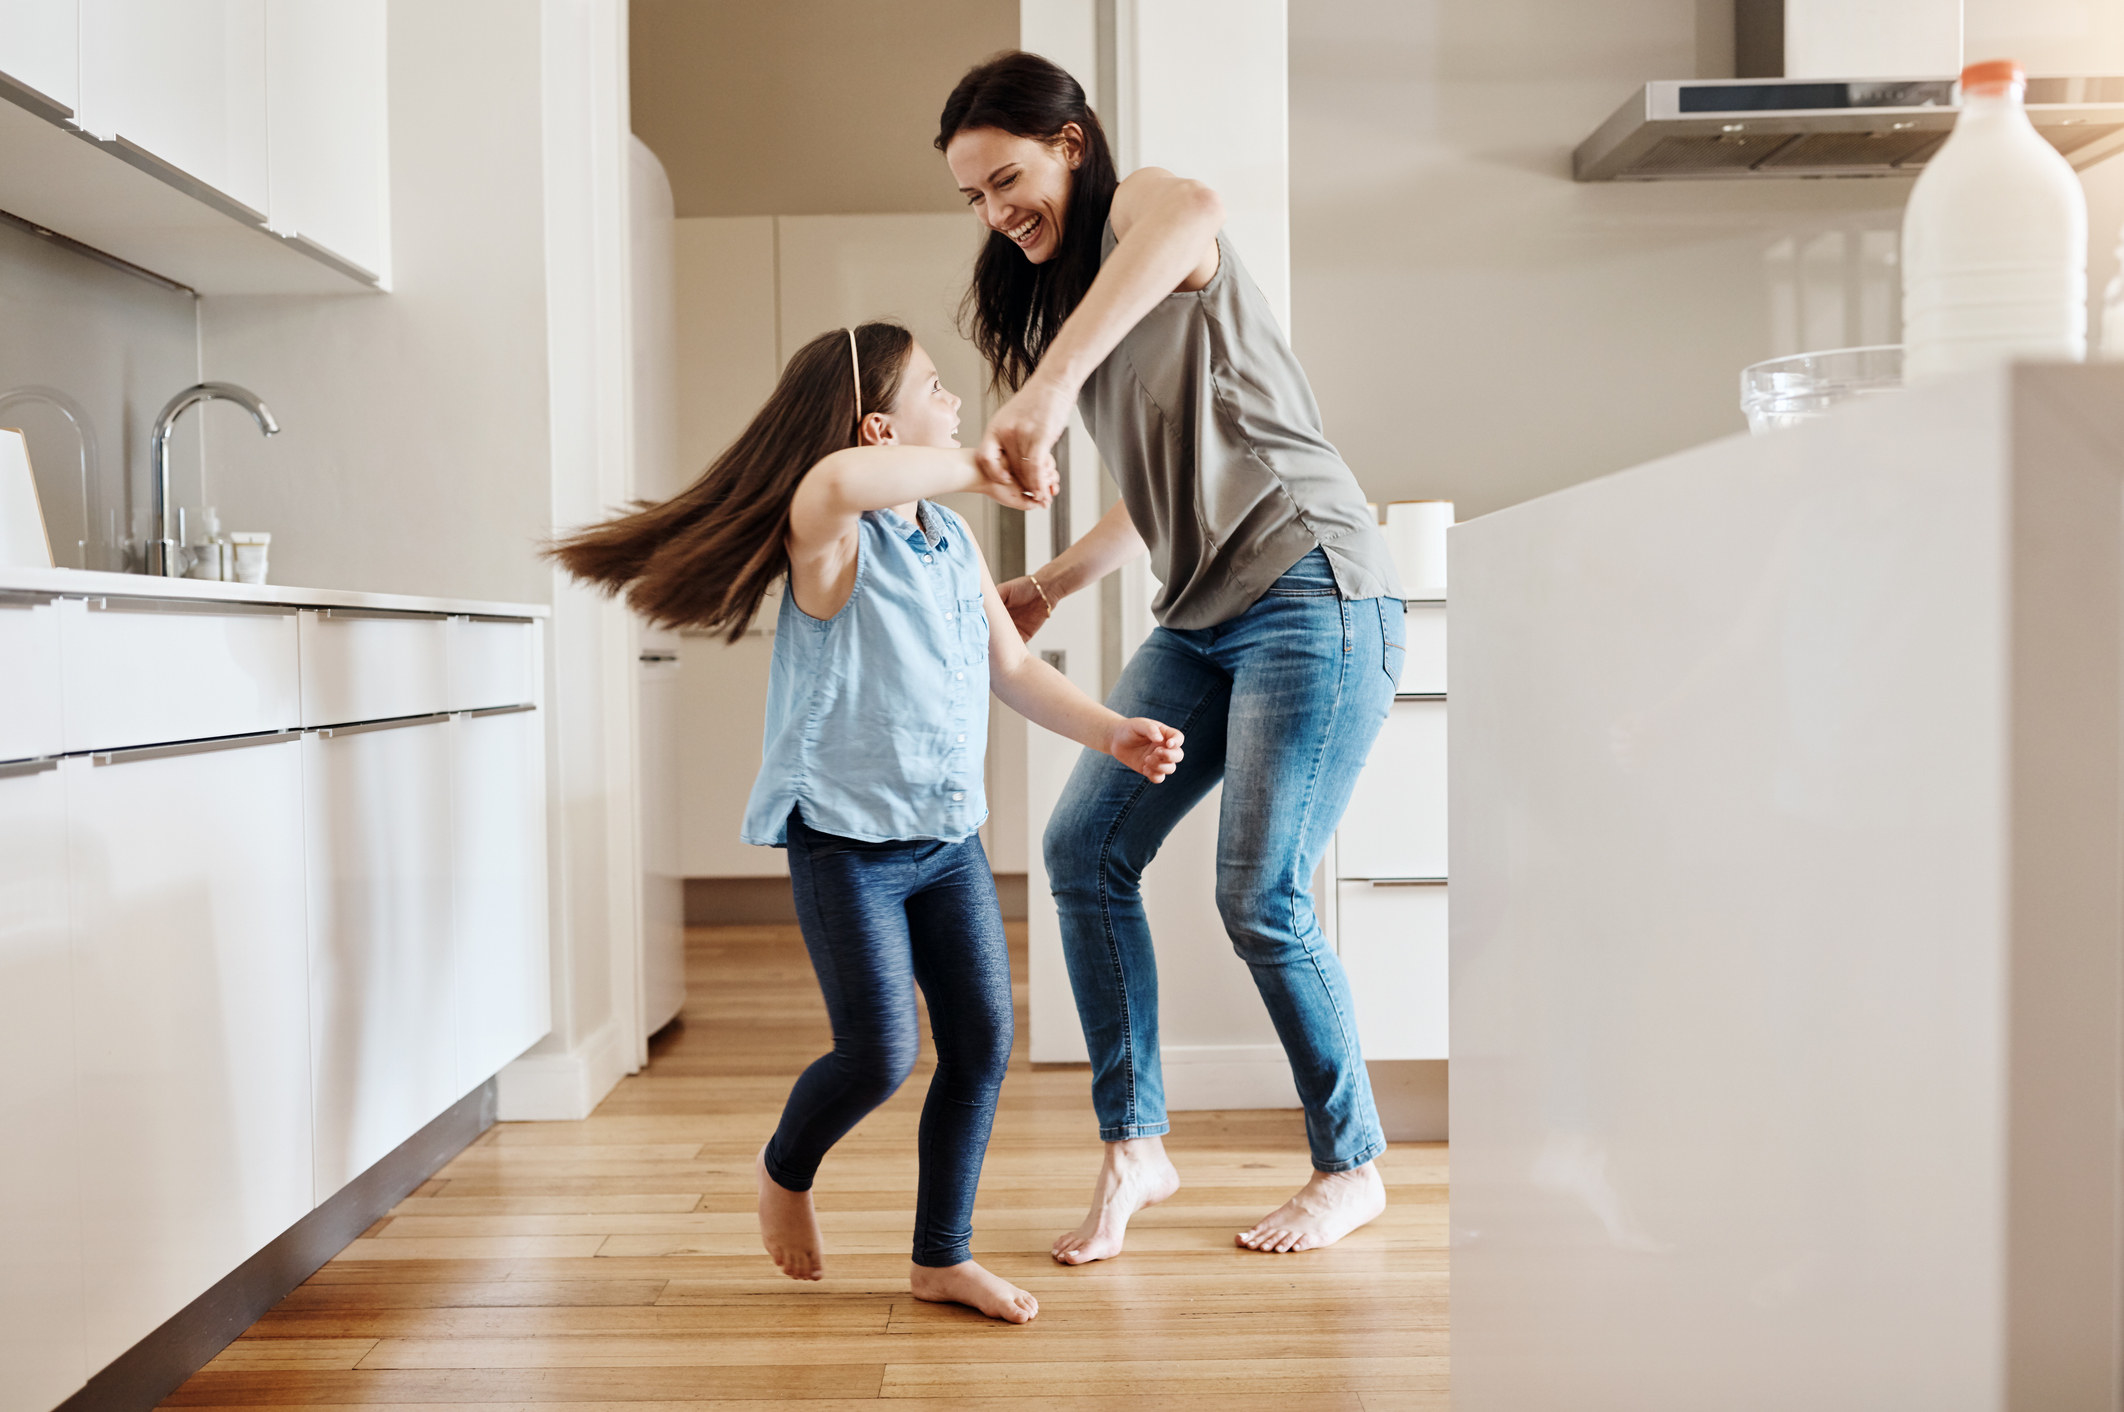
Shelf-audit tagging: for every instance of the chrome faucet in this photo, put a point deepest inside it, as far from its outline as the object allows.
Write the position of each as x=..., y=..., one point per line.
x=162, y=556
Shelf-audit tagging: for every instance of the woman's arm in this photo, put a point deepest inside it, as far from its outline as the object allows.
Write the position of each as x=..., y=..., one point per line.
x=1045, y=697
x=835, y=493
x=1109, y=544
x=1167, y=228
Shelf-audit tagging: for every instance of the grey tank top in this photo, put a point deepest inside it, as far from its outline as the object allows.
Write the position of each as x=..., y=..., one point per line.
x=1209, y=427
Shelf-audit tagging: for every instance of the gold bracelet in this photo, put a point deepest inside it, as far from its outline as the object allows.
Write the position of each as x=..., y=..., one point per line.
x=1042, y=592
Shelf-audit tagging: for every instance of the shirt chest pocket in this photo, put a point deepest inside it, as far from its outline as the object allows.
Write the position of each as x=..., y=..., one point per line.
x=973, y=630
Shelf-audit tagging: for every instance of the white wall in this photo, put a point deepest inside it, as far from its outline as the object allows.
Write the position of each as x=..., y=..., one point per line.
x=751, y=290
x=1480, y=328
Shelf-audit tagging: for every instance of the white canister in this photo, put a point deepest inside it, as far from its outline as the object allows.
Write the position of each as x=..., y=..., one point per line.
x=249, y=549
x=1416, y=534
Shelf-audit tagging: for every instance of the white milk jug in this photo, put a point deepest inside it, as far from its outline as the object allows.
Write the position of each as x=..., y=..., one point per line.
x=1994, y=240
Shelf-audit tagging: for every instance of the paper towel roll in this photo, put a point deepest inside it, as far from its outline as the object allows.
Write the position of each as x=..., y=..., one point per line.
x=1416, y=534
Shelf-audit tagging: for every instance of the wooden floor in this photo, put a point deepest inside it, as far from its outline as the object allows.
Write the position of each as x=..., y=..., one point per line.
x=615, y=1262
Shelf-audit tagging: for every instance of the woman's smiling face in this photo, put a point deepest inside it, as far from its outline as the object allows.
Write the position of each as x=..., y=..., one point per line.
x=1018, y=186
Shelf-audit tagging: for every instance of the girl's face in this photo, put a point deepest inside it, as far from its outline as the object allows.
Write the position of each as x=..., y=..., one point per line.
x=923, y=413
x=1017, y=185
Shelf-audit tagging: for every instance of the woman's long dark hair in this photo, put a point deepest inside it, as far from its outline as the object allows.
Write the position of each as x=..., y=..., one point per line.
x=705, y=557
x=1015, y=307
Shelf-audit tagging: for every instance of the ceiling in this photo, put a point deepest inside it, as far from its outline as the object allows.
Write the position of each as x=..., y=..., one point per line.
x=805, y=107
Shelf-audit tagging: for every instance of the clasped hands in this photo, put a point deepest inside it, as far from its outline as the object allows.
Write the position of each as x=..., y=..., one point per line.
x=1016, y=455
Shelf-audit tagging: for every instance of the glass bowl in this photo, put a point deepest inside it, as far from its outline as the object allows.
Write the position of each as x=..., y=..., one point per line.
x=1787, y=391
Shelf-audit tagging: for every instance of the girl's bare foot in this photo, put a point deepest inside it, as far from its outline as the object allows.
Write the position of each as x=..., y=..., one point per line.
x=1326, y=1209
x=1135, y=1173
x=972, y=1286
x=789, y=1228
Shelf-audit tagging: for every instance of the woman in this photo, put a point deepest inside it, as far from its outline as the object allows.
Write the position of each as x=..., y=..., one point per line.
x=889, y=637
x=1280, y=621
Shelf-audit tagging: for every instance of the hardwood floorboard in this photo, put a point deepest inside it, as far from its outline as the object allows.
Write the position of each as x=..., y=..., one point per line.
x=614, y=1263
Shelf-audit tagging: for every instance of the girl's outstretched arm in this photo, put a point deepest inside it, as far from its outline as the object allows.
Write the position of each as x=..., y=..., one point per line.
x=835, y=493
x=1045, y=697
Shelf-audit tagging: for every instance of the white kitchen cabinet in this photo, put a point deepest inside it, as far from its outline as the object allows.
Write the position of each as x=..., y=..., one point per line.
x=1423, y=666
x=145, y=671
x=493, y=662
x=381, y=984
x=365, y=666
x=185, y=81
x=40, y=47
x=498, y=817
x=185, y=883
x=1393, y=945
x=1395, y=826
x=663, y=881
x=1384, y=897
x=41, y=1356
x=327, y=112
x=30, y=723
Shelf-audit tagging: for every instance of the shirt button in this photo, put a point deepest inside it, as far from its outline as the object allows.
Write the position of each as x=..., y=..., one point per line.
x=962, y=740
x=949, y=616
x=925, y=559
x=957, y=797
x=958, y=676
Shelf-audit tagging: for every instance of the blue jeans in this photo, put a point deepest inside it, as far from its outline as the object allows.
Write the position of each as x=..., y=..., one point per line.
x=878, y=919
x=1281, y=704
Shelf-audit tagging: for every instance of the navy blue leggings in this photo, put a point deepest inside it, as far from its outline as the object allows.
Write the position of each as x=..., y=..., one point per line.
x=879, y=919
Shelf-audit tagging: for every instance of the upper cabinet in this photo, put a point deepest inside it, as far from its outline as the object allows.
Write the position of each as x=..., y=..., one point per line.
x=327, y=110
x=234, y=146
x=40, y=48
x=185, y=81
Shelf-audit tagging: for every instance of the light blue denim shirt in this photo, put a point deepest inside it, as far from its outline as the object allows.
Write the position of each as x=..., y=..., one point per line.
x=877, y=718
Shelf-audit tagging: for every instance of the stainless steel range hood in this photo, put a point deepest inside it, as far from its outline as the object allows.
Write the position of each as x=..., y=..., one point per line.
x=1710, y=128
x=1805, y=104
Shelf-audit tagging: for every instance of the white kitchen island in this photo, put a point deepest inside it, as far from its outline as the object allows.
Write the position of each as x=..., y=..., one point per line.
x=1786, y=925
x=272, y=913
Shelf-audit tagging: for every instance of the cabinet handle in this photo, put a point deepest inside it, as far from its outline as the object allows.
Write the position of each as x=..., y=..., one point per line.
x=494, y=618
x=194, y=606
x=654, y=657
x=496, y=711
x=1419, y=696
x=1406, y=882
x=16, y=769
x=392, y=724
x=355, y=614
x=23, y=598
x=189, y=747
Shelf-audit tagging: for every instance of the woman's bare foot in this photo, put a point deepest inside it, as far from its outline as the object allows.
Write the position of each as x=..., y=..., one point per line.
x=974, y=1287
x=1135, y=1173
x=789, y=1228
x=1326, y=1209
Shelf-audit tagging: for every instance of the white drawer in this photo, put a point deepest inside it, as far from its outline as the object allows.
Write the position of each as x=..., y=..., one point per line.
x=1393, y=944
x=29, y=677
x=493, y=662
x=1396, y=823
x=144, y=671
x=364, y=666
x=1423, y=672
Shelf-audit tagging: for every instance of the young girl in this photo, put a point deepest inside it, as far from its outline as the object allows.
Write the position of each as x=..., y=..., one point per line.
x=890, y=634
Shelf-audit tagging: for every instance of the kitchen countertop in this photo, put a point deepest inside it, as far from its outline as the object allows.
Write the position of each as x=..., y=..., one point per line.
x=79, y=583
x=1788, y=916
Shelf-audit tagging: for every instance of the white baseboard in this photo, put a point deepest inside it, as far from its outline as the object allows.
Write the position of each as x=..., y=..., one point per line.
x=1199, y=1076
x=1411, y=1094
x=564, y=1086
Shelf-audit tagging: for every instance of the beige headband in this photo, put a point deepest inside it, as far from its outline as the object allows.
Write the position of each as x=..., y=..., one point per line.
x=855, y=364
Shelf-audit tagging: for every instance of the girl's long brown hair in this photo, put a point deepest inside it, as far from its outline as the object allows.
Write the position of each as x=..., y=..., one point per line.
x=707, y=556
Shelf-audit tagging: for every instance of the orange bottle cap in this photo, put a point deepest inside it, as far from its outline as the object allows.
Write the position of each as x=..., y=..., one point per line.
x=1992, y=73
